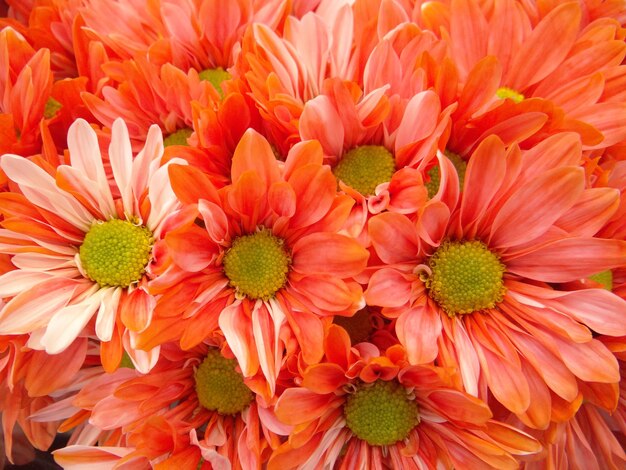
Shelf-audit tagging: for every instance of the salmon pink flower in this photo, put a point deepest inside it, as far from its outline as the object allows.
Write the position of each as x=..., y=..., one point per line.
x=261, y=256
x=363, y=409
x=82, y=243
x=470, y=288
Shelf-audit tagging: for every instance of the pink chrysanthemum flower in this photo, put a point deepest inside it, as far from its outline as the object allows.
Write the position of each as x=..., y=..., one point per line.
x=469, y=282
x=363, y=409
x=192, y=410
x=82, y=242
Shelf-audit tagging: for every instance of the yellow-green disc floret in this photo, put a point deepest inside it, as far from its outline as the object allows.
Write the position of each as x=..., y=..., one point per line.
x=178, y=138
x=505, y=92
x=216, y=77
x=219, y=386
x=116, y=252
x=435, y=173
x=465, y=277
x=605, y=278
x=257, y=265
x=364, y=168
x=381, y=413
x=51, y=107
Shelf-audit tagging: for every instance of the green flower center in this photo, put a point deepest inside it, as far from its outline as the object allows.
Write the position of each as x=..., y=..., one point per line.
x=257, y=264
x=51, y=107
x=465, y=277
x=358, y=326
x=435, y=173
x=219, y=386
x=381, y=413
x=178, y=138
x=116, y=252
x=504, y=93
x=605, y=278
x=364, y=168
x=216, y=77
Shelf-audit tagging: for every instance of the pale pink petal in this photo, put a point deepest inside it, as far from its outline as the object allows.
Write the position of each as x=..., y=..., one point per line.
x=78, y=457
x=215, y=220
x=85, y=156
x=107, y=313
x=152, y=151
x=40, y=189
x=33, y=309
x=162, y=198
x=267, y=320
x=68, y=322
x=469, y=364
x=237, y=329
x=143, y=361
x=16, y=281
x=121, y=158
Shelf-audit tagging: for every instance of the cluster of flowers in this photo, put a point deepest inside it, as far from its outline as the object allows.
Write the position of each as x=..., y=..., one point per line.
x=314, y=233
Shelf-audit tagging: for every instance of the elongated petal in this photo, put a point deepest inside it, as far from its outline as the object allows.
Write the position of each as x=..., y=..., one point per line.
x=418, y=330
x=536, y=206
x=394, y=238
x=329, y=253
x=570, y=259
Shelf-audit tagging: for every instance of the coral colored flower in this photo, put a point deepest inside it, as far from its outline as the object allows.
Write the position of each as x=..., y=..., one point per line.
x=82, y=243
x=262, y=257
x=381, y=167
x=192, y=407
x=147, y=93
x=363, y=409
x=207, y=34
x=525, y=70
x=469, y=283
x=25, y=87
x=284, y=72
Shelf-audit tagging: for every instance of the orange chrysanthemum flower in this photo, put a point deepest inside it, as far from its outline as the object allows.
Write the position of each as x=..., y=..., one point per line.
x=192, y=410
x=363, y=409
x=469, y=281
x=262, y=257
x=147, y=93
x=82, y=243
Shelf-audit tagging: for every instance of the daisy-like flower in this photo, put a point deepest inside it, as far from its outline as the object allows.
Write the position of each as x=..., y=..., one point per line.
x=363, y=409
x=148, y=93
x=82, y=243
x=374, y=158
x=469, y=284
x=192, y=407
x=523, y=70
x=265, y=260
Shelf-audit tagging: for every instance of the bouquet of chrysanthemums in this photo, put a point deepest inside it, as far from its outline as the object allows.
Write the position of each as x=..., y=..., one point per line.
x=313, y=234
